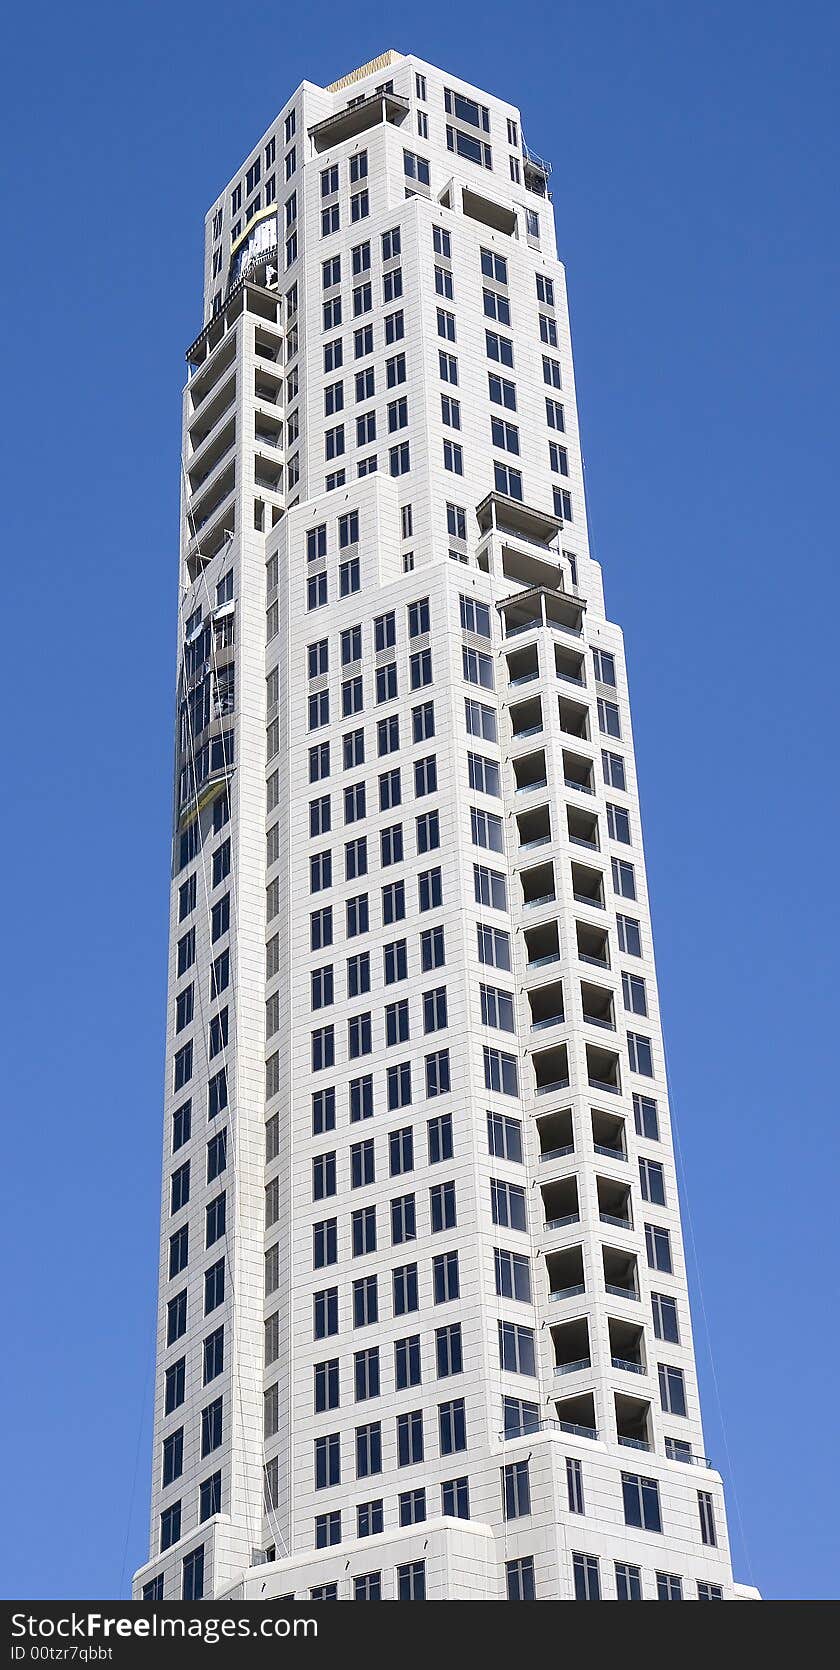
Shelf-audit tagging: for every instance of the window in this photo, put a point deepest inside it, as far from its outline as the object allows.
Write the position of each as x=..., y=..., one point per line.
x=324, y=1243
x=586, y=1575
x=516, y=1349
x=641, y=1502
x=398, y=1079
x=407, y=1362
x=499, y=348
x=412, y=1507
x=327, y=1461
x=452, y=1426
x=327, y=1529
x=618, y=823
x=507, y=1205
x=411, y=1581
x=705, y=1591
x=405, y=1294
x=410, y=1438
x=446, y=1279
x=634, y=994
x=477, y=667
x=668, y=1586
x=623, y=878
x=516, y=1490
x=455, y=1498
x=439, y=1138
x=672, y=1390
x=416, y=167
x=215, y=1215
x=519, y=1577
x=629, y=938
x=658, y=1247
x=453, y=457
x=368, y=1450
x=325, y=1313
x=442, y=1206
x=574, y=1485
x=214, y=1355
x=640, y=1053
x=448, y=368
x=437, y=1073
x=628, y=1581
x=170, y=1526
x=665, y=1321
x=500, y=1072
x=502, y=391
x=652, y=1179
x=369, y=1519
x=513, y=1275
x=487, y=831
x=706, y=1510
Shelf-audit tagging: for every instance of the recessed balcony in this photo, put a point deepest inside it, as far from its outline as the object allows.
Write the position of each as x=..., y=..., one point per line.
x=608, y=1135
x=526, y=718
x=542, y=944
x=574, y=718
x=576, y=1415
x=603, y=1069
x=523, y=666
x=565, y=1274
x=358, y=117
x=556, y=1134
x=633, y=1424
x=598, y=1006
x=546, y=1005
x=588, y=885
x=534, y=828
x=529, y=772
x=560, y=1203
x=537, y=886
x=593, y=944
x=621, y=1276
x=627, y=1346
x=569, y=665
x=615, y=1203
x=571, y=1347
x=583, y=828
x=551, y=1070
x=578, y=772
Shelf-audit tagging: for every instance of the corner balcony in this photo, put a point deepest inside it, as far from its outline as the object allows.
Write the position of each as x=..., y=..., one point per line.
x=357, y=117
x=572, y=1354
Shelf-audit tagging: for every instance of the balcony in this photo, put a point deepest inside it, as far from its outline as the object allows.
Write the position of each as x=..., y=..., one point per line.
x=523, y=666
x=621, y=1279
x=546, y=1005
x=603, y=1070
x=505, y=515
x=588, y=885
x=614, y=1203
x=533, y=828
x=571, y=1346
x=537, y=886
x=560, y=1203
x=551, y=1070
x=542, y=944
x=529, y=771
x=565, y=1274
x=574, y=718
x=633, y=1422
x=569, y=665
x=358, y=117
x=593, y=944
x=578, y=772
x=214, y=368
x=583, y=828
x=210, y=456
x=597, y=1002
x=608, y=1135
x=576, y=1415
x=556, y=1134
x=526, y=718
x=535, y=171
x=213, y=411
x=627, y=1346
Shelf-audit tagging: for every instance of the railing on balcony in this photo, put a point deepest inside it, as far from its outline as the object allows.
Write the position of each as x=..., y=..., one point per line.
x=558, y=1153
x=626, y=1366
x=556, y=1084
x=550, y=1020
x=616, y=1223
x=562, y=1223
x=621, y=1292
x=573, y=1368
x=609, y=1153
x=635, y=1443
x=567, y=1292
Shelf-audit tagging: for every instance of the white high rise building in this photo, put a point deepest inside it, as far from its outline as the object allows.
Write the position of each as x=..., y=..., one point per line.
x=424, y=1326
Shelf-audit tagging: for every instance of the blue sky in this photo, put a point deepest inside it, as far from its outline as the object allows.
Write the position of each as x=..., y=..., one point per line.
x=694, y=151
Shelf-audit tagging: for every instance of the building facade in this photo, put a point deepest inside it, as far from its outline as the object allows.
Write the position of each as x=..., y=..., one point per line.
x=424, y=1327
